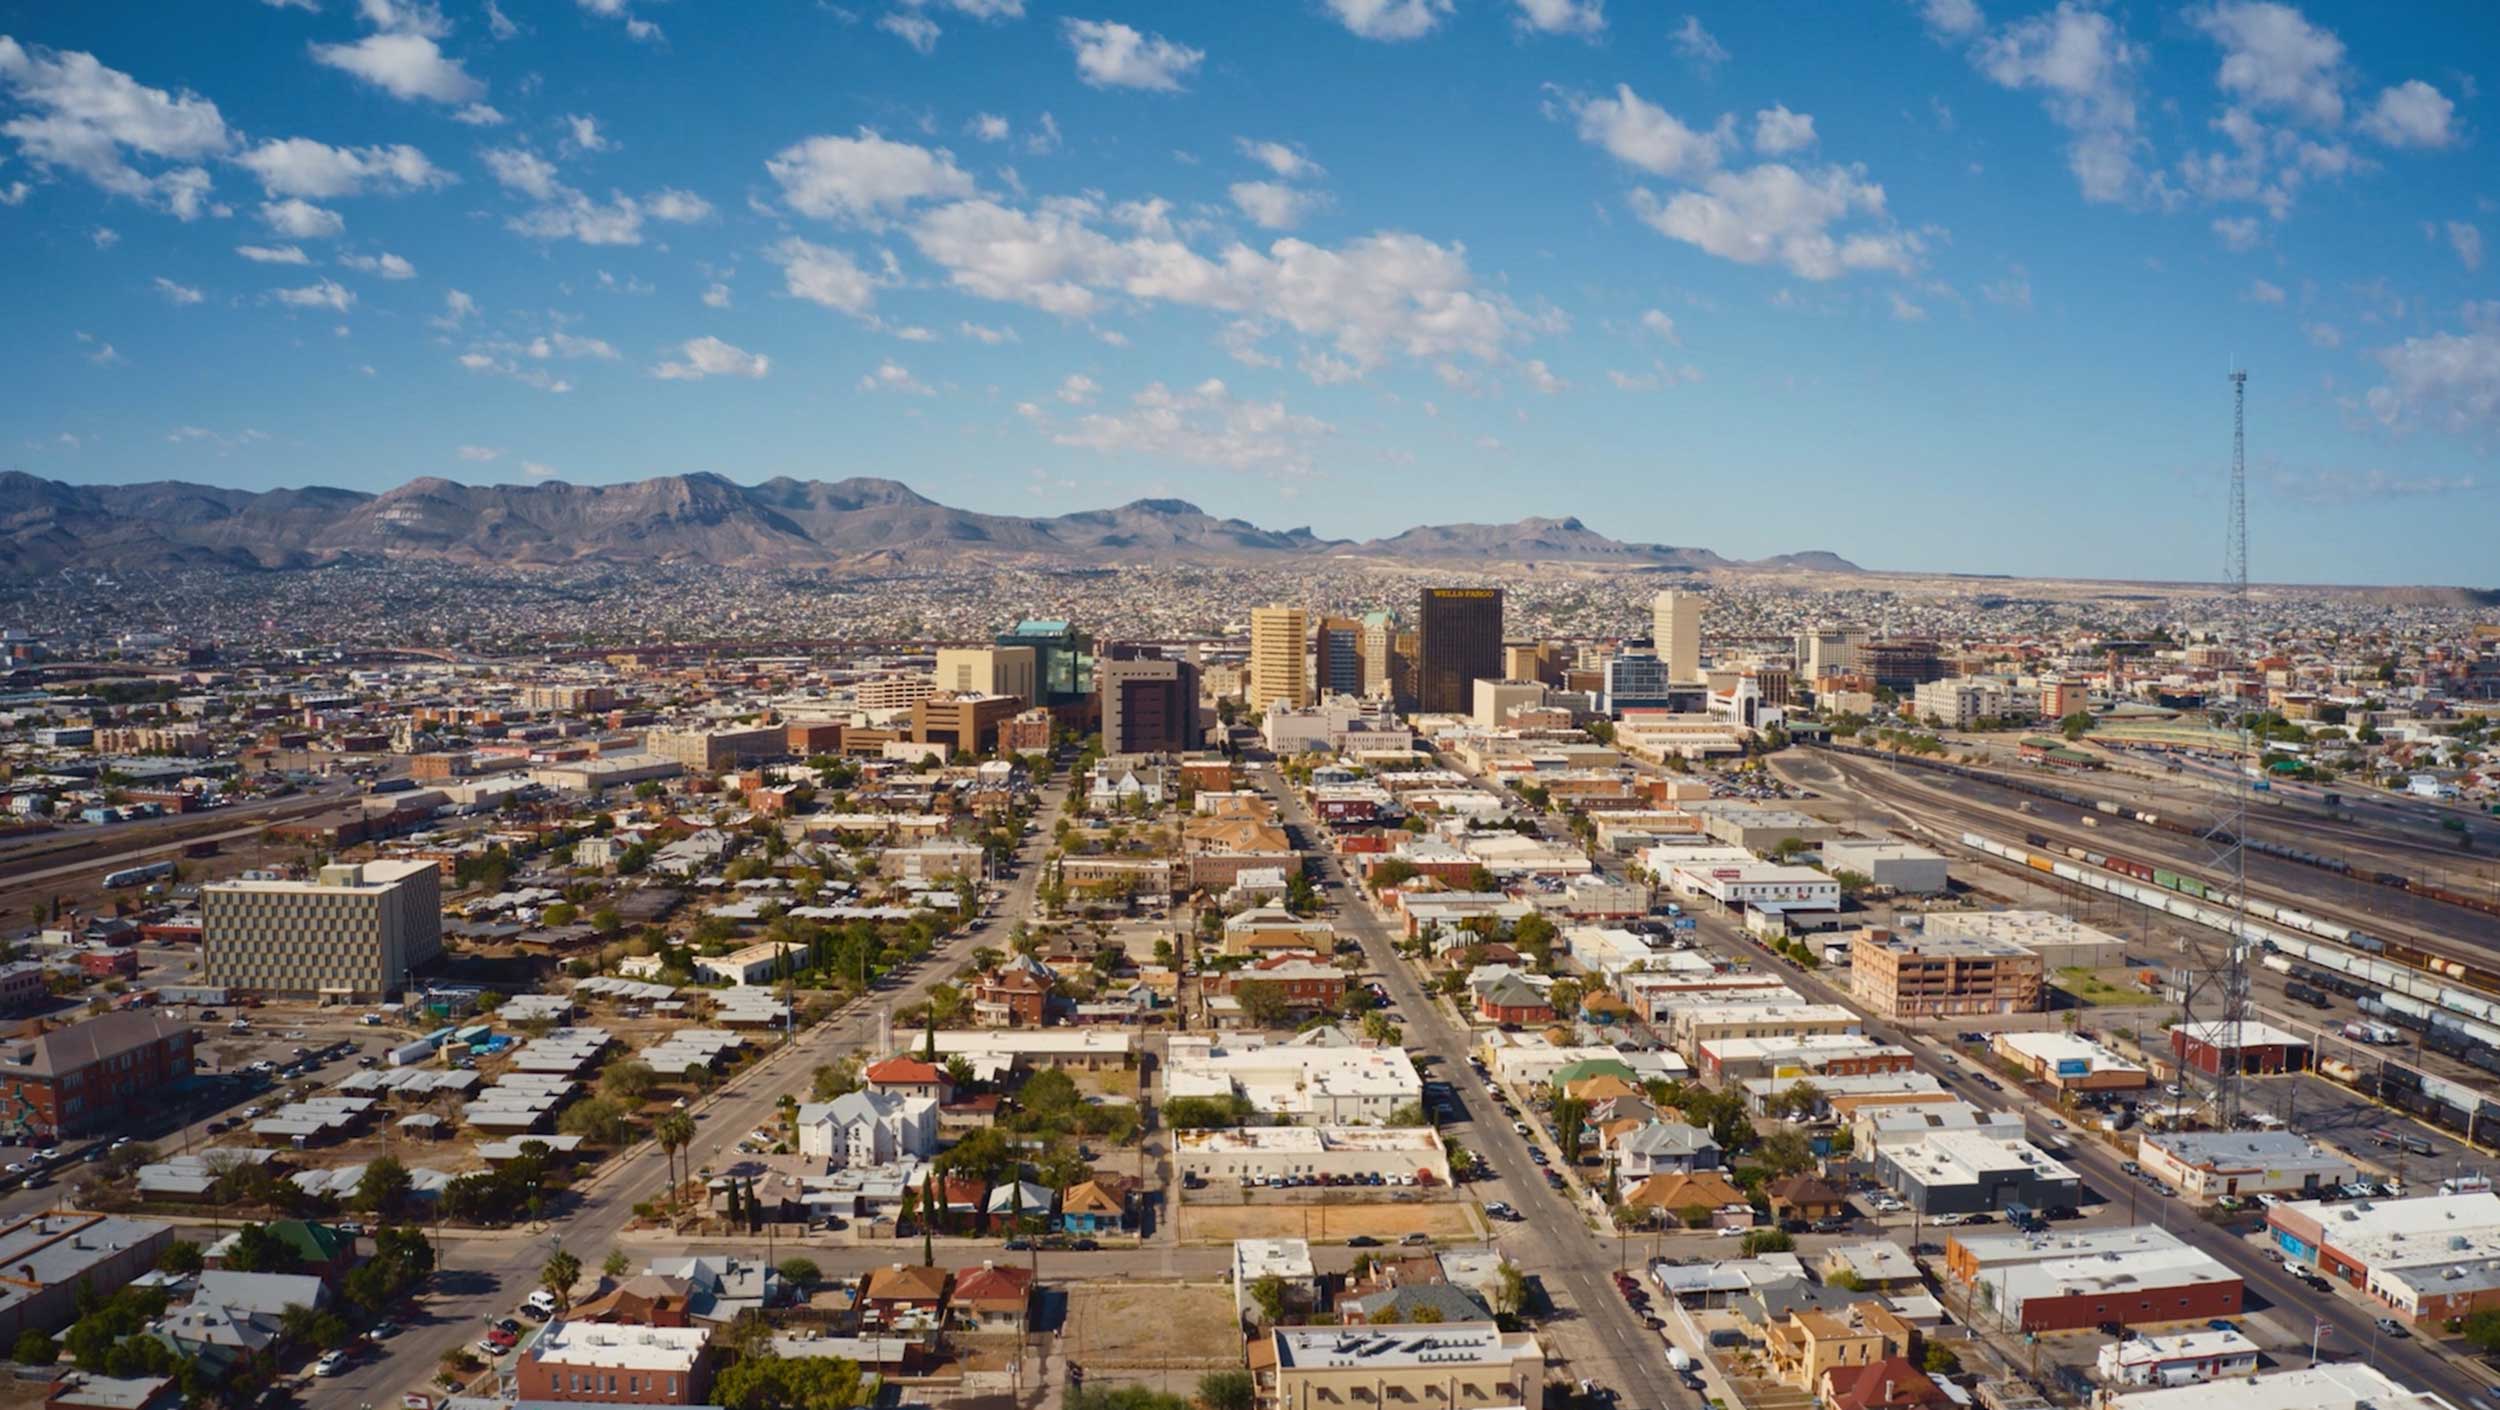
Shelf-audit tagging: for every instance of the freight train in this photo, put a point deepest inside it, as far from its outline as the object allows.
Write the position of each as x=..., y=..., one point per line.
x=139, y=875
x=2398, y=881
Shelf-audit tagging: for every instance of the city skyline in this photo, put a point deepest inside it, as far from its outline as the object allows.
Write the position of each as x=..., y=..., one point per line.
x=1656, y=270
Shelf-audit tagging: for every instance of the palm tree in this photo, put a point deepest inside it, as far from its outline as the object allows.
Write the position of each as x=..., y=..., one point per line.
x=675, y=1132
x=558, y=1277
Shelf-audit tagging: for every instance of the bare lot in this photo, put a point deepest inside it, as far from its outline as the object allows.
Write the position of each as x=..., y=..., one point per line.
x=1152, y=1326
x=1326, y=1223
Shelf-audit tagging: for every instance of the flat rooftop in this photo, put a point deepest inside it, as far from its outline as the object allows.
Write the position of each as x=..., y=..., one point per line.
x=1437, y=1346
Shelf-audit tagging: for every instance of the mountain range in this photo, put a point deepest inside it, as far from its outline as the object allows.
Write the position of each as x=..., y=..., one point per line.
x=48, y=525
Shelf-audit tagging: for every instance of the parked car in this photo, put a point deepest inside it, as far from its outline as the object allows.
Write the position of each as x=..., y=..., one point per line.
x=332, y=1363
x=1362, y=1241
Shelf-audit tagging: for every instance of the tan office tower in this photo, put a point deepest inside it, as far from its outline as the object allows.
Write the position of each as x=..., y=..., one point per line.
x=987, y=670
x=1279, y=637
x=1337, y=657
x=1378, y=644
x=1677, y=635
x=354, y=933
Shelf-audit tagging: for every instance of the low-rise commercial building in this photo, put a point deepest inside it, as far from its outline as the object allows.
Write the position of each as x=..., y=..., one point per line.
x=714, y=751
x=1443, y=1366
x=2334, y=1385
x=616, y=1364
x=2064, y=1282
x=2246, y=1046
x=2177, y=1358
x=1411, y=1153
x=91, y=1076
x=2061, y=942
x=51, y=1259
x=2069, y=1063
x=1964, y=1172
x=2426, y=1259
x=1894, y=866
x=2207, y=1165
x=1310, y=1084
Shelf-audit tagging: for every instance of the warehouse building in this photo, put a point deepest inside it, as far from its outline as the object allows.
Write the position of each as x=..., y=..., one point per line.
x=1941, y=976
x=718, y=750
x=2337, y=1385
x=56, y=1259
x=1759, y=829
x=1895, y=866
x=2248, y=1046
x=2060, y=942
x=2068, y=1281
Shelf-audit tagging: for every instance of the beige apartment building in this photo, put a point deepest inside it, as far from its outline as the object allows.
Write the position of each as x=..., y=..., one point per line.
x=1279, y=668
x=1433, y=1366
x=353, y=933
x=894, y=692
x=1942, y=976
x=1676, y=632
x=986, y=670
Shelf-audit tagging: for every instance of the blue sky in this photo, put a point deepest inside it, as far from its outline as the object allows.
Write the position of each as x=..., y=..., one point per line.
x=1943, y=284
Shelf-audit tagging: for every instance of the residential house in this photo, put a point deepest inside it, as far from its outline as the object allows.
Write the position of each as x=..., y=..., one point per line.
x=1679, y=1196
x=1011, y=996
x=1011, y=1196
x=1889, y=1384
x=1805, y=1197
x=1664, y=1148
x=320, y=1250
x=1812, y=1343
x=910, y=1077
x=721, y=1289
x=1512, y=1002
x=992, y=1299
x=1087, y=1207
x=644, y=1300
x=903, y=1298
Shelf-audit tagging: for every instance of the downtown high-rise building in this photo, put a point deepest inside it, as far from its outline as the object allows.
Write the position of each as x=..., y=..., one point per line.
x=1383, y=665
x=1337, y=657
x=1279, y=664
x=1676, y=634
x=1458, y=642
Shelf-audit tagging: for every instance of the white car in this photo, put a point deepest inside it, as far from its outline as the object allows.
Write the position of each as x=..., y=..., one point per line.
x=332, y=1363
x=1731, y=1233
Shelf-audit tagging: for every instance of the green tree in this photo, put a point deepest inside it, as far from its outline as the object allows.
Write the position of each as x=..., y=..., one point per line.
x=182, y=1256
x=835, y=1079
x=33, y=1348
x=675, y=1132
x=1262, y=1001
x=1267, y=1293
x=559, y=1276
x=760, y=1380
x=256, y=1250
x=1939, y=1360
x=1225, y=1390
x=1762, y=1241
x=616, y=1264
x=628, y=1080
x=800, y=1272
x=384, y=1187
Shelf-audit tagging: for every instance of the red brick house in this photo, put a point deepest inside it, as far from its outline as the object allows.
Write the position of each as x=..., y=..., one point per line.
x=616, y=1364
x=1010, y=998
x=1890, y=1384
x=89, y=1076
x=1306, y=981
x=991, y=1298
x=1513, y=1002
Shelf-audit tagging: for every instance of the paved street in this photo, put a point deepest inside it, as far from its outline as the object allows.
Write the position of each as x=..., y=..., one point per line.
x=488, y=1276
x=1554, y=1245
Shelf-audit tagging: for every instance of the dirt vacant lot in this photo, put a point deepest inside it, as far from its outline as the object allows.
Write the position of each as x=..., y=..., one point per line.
x=1327, y=1223
x=1147, y=1326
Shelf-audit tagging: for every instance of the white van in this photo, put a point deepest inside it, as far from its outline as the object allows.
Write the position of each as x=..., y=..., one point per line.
x=541, y=1304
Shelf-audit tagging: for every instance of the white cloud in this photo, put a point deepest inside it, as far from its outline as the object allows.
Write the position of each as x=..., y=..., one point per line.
x=327, y=293
x=1647, y=136
x=864, y=178
x=222, y=440
x=1078, y=389
x=405, y=65
x=1586, y=18
x=104, y=354
x=1112, y=55
x=710, y=357
x=982, y=333
x=2467, y=241
x=636, y=28
x=2237, y=233
x=299, y=166
x=2083, y=68
x=90, y=119
x=1905, y=311
x=498, y=23
x=478, y=115
x=1777, y=131
x=104, y=237
x=677, y=207
x=2272, y=57
x=574, y=216
x=582, y=133
x=301, y=220
x=2324, y=335
x=540, y=470
x=1951, y=19
x=479, y=455
x=179, y=294
x=458, y=308
x=823, y=275
x=989, y=127
x=1698, y=46
x=1656, y=321
x=272, y=254
x=2262, y=292
x=385, y=264
x=1204, y=425
x=2013, y=291
x=1274, y=205
x=913, y=333
x=716, y=297
x=892, y=376
x=502, y=365
x=1382, y=294
x=1541, y=378
x=2411, y=114
x=1774, y=212
x=1390, y=20
x=15, y=193
x=918, y=31
x=1287, y=162
x=518, y=169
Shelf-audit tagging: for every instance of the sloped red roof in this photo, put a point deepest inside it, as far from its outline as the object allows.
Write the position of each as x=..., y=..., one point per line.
x=994, y=1285
x=905, y=1072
